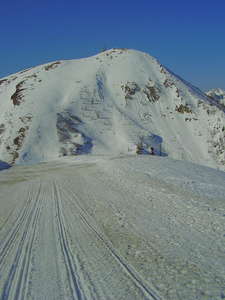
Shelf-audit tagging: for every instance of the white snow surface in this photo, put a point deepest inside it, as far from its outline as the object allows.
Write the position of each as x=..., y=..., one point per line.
x=108, y=103
x=124, y=227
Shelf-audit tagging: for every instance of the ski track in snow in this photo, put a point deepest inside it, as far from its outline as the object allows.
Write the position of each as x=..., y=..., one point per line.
x=25, y=228
x=130, y=273
x=112, y=228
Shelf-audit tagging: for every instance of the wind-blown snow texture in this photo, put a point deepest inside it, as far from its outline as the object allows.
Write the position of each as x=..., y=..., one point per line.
x=119, y=101
x=135, y=227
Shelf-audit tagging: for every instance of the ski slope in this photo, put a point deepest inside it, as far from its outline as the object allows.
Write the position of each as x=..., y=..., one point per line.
x=125, y=227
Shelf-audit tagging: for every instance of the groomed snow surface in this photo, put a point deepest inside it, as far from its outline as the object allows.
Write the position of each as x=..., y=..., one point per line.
x=89, y=227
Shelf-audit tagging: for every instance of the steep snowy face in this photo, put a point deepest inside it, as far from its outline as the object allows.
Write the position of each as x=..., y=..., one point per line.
x=119, y=101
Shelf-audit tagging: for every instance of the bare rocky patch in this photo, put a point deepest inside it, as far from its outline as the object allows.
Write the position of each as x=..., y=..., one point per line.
x=152, y=92
x=27, y=118
x=3, y=84
x=183, y=108
x=130, y=89
x=168, y=83
x=15, y=143
x=18, y=140
x=52, y=66
x=18, y=96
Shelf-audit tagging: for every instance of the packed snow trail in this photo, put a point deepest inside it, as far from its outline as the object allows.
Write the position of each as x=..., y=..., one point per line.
x=52, y=248
x=112, y=228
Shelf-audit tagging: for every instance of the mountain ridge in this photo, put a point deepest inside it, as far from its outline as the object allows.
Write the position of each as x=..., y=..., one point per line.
x=118, y=101
x=218, y=95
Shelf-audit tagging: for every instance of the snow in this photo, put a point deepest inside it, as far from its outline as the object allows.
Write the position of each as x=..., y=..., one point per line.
x=110, y=224
x=112, y=227
x=103, y=104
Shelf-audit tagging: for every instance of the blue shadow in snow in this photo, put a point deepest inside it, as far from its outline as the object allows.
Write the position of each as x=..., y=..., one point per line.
x=4, y=166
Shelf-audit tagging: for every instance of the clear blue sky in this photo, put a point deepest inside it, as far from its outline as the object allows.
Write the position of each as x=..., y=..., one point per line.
x=188, y=37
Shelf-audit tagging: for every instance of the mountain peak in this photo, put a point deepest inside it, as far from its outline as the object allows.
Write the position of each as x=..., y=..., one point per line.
x=217, y=92
x=118, y=101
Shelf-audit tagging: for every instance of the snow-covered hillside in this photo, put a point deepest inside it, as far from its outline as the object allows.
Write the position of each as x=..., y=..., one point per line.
x=134, y=227
x=119, y=101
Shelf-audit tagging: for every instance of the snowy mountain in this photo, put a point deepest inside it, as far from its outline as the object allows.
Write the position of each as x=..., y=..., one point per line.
x=218, y=95
x=118, y=101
